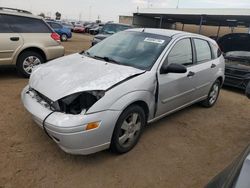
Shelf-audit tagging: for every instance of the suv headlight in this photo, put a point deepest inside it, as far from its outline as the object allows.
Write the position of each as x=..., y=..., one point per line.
x=96, y=40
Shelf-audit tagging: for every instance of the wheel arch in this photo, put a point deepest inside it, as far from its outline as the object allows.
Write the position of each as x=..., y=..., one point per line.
x=34, y=49
x=141, y=104
x=220, y=78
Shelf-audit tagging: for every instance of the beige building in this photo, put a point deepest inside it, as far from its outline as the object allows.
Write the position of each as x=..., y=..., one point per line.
x=211, y=30
x=126, y=20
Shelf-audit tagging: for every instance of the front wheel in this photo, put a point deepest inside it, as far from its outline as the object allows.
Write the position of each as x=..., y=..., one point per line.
x=128, y=129
x=212, y=95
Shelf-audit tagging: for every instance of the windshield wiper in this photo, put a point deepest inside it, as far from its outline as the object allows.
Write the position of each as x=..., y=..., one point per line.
x=107, y=59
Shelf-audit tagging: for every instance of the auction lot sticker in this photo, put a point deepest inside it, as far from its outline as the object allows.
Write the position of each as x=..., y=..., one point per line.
x=152, y=40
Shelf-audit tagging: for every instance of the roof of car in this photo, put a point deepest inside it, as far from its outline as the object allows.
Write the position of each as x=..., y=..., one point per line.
x=165, y=32
x=53, y=22
x=113, y=23
x=17, y=12
x=168, y=32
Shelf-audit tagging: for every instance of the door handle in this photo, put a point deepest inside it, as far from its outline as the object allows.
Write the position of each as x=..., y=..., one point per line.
x=213, y=66
x=14, y=38
x=190, y=74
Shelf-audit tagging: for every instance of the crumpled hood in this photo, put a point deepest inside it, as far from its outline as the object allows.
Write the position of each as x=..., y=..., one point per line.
x=77, y=73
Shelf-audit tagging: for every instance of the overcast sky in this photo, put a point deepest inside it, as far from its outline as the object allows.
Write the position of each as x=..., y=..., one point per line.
x=110, y=9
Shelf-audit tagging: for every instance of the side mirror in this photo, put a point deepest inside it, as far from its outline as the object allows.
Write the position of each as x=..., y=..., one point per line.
x=248, y=90
x=173, y=68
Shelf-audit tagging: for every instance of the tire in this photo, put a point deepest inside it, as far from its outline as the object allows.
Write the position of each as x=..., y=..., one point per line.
x=26, y=61
x=64, y=37
x=212, y=95
x=128, y=129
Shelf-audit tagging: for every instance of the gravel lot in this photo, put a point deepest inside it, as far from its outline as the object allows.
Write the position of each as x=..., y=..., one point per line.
x=184, y=150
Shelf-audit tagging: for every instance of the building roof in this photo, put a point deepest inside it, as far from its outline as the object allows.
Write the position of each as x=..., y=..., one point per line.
x=196, y=11
x=223, y=17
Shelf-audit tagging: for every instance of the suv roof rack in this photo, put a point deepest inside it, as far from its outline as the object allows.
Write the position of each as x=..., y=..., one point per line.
x=14, y=9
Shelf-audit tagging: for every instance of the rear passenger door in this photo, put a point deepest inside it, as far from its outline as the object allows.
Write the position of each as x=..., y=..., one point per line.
x=204, y=68
x=10, y=42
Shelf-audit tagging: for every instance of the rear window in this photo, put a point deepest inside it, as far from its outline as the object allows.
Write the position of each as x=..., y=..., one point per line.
x=4, y=27
x=21, y=24
x=203, y=51
x=114, y=28
x=55, y=25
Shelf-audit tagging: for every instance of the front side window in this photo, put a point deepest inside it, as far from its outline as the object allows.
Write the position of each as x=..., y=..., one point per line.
x=203, y=51
x=20, y=24
x=136, y=49
x=181, y=53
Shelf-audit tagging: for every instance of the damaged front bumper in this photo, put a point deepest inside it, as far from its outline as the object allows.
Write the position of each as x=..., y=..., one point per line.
x=69, y=131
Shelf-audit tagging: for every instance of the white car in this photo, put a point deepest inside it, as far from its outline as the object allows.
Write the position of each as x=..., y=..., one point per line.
x=104, y=97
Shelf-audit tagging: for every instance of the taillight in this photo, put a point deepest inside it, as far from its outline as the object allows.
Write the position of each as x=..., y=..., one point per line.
x=55, y=36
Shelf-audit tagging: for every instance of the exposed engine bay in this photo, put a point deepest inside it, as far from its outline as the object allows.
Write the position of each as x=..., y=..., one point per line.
x=77, y=103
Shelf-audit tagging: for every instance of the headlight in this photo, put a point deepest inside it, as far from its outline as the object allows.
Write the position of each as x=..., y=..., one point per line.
x=79, y=102
x=96, y=40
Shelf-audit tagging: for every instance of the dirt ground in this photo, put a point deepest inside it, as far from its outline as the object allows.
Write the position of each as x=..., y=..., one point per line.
x=183, y=150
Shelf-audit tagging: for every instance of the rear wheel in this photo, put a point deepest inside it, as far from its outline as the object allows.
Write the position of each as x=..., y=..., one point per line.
x=27, y=61
x=128, y=129
x=64, y=37
x=212, y=95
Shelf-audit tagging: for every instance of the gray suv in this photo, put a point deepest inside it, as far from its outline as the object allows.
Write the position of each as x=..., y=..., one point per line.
x=26, y=40
x=104, y=97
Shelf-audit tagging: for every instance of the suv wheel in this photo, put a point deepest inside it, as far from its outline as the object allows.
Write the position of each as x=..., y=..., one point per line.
x=64, y=37
x=212, y=95
x=128, y=129
x=27, y=61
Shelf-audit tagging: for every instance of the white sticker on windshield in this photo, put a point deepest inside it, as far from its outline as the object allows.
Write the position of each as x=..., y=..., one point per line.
x=157, y=41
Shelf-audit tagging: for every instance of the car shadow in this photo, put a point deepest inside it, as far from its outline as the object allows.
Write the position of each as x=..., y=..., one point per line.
x=174, y=115
x=9, y=72
x=234, y=89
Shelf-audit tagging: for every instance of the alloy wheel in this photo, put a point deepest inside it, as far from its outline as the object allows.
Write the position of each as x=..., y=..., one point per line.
x=214, y=93
x=29, y=63
x=130, y=130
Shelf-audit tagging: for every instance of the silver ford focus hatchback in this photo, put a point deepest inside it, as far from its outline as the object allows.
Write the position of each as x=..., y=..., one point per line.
x=104, y=97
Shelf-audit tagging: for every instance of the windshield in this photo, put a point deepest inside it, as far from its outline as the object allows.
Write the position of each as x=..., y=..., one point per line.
x=114, y=28
x=136, y=49
x=238, y=57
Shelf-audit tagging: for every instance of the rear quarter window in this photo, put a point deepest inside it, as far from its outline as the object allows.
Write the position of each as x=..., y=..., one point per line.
x=21, y=24
x=216, y=50
x=4, y=26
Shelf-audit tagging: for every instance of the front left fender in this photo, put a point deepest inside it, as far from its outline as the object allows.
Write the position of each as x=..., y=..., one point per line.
x=123, y=102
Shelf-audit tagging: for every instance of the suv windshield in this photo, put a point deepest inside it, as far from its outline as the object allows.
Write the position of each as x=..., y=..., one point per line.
x=136, y=49
x=114, y=28
x=238, y=57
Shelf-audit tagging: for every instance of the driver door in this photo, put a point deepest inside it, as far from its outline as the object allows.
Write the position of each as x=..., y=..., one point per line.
x=177, y=89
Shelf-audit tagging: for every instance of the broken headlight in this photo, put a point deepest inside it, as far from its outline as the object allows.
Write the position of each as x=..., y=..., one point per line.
x=79, y=102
